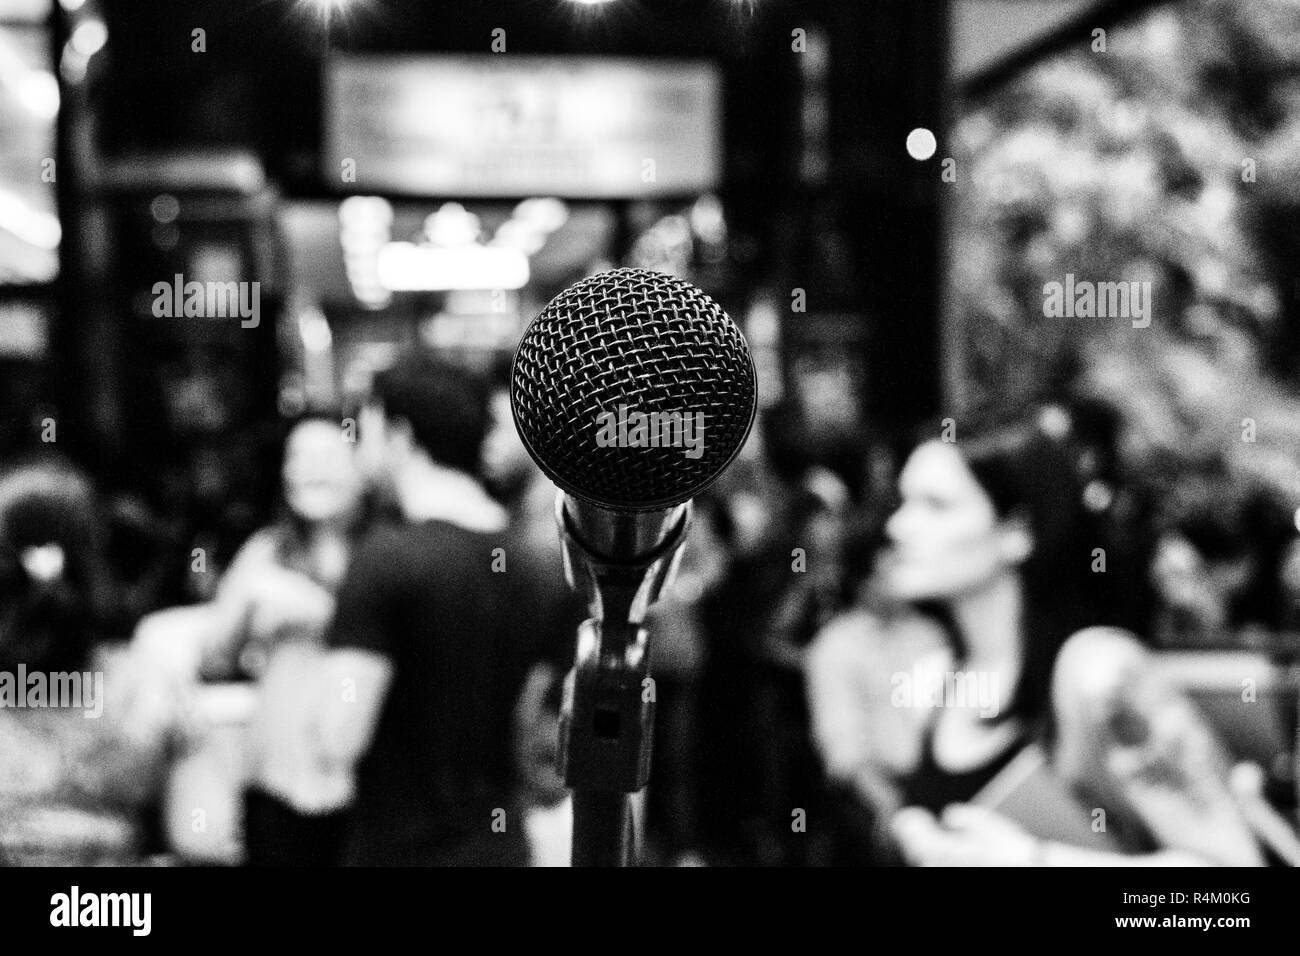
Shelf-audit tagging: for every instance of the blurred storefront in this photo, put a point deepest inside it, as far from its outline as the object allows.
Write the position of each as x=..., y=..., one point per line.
x=382, y=177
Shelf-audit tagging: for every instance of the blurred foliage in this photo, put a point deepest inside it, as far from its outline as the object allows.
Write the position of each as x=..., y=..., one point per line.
x=1172, y=157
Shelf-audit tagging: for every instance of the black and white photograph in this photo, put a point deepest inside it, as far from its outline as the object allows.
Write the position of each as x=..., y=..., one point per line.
x=650, y=433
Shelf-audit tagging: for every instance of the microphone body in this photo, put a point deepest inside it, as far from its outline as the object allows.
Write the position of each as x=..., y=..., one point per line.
x=632, y=391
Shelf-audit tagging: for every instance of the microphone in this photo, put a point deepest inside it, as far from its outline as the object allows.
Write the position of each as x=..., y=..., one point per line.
x=632, y=391
x=628, y=343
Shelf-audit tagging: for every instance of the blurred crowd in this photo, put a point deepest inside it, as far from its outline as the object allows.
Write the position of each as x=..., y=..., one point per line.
x=377, y=674
x=990, y=642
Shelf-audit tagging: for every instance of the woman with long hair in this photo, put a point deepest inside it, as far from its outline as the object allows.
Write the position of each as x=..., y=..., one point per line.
x=990, y=565
x=267, y=621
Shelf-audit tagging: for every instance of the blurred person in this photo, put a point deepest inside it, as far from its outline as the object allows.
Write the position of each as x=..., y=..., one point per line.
x=533, y=538
x=1194, y=586
x=546, y=803
x=268, y=621
x=532, y=542
x=510, y=473
x=1289, y=586
x=78, y=778
x=1217, y=566
x=988, y=546
x=778, y=518
x=144, y=551
x=677, y=647
x=748, y=516
x=431, y=639
x=1133, y=747
x=811, y=596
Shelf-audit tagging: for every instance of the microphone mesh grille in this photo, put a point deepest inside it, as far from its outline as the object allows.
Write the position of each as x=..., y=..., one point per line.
x=646, y=341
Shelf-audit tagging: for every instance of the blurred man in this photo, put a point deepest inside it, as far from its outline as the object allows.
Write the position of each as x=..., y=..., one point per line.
x=537, y=562
x=428, y=645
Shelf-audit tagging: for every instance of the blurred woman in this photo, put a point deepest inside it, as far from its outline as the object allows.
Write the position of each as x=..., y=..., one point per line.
x=991, y=561
x=85, y=736
x=268, y=619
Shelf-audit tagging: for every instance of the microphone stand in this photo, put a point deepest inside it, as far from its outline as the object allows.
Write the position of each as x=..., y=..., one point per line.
x=621, y=562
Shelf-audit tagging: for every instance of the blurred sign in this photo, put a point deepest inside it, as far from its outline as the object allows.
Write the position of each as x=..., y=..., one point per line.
x=522, y=126
x=406, y=267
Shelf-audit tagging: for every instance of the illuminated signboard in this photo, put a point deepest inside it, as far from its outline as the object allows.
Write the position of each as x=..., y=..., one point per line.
x=579, y=127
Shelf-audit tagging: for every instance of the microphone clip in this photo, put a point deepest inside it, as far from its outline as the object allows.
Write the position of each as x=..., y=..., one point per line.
x=622, y=564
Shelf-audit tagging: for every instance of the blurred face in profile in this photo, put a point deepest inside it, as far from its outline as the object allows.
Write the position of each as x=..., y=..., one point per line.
x=322, y=480
x=946, y=539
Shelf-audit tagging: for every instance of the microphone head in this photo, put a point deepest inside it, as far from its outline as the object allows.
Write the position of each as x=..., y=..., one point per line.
x=633, y=390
